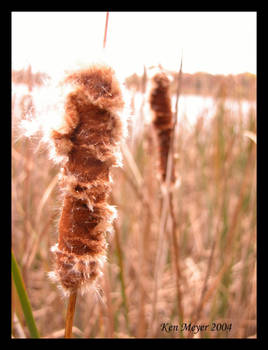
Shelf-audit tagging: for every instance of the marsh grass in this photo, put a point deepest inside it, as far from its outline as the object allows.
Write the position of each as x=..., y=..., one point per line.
x=215, y=211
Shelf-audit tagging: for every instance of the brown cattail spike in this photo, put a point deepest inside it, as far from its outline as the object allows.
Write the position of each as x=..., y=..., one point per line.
x=160, y=102
x=90, y=139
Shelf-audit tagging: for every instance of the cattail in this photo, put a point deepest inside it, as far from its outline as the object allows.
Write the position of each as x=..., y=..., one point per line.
x=160, y=103
x=89, y=141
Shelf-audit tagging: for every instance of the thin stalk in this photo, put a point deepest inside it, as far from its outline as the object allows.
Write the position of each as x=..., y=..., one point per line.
x=205, y=284
x=175, y=244
x=106, y=30
x=109, y=304
x=142, y=324
x=158, y=266
x=176, y=258
x=70, y=315
x=121, y=272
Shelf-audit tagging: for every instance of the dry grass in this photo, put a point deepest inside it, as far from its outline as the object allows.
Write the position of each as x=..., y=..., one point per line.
x=215, y=212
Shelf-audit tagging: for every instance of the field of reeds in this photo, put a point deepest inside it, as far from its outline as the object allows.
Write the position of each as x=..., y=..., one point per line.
x=167, y=271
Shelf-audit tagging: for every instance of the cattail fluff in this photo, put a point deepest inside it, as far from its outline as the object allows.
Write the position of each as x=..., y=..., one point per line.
x=160, y=104
x=89, y=141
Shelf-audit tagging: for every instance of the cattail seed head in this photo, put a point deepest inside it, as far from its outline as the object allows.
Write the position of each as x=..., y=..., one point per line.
x=89, y=138
x=160, y=103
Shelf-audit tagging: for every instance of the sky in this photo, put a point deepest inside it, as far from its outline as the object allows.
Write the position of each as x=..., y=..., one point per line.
x=213, y=42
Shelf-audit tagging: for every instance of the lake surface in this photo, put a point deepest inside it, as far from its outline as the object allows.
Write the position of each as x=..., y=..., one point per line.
x=190, y=107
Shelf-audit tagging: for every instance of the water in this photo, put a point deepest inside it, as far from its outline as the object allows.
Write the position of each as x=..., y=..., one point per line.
x=190, y=107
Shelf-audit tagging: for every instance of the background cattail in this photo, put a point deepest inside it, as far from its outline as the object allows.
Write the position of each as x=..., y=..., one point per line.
x=160, y=103
x=89, y=139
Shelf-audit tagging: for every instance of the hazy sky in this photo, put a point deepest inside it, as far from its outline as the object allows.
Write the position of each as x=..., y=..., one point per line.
x=214, y=42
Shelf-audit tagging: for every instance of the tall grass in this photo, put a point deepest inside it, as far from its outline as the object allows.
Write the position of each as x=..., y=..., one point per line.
x=215, y=211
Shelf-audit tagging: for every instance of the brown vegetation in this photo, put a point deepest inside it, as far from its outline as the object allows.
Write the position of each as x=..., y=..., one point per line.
x=215, y=211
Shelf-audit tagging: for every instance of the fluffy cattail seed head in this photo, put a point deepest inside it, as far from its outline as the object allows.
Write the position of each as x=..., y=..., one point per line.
x=89, y=140
x=160, y=103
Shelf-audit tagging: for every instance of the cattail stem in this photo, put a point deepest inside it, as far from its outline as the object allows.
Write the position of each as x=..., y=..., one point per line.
x=171, y=205
x=70, y=315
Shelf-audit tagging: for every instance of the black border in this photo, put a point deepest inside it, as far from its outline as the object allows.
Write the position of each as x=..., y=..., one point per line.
x=261, y=116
